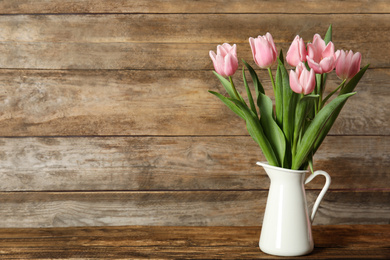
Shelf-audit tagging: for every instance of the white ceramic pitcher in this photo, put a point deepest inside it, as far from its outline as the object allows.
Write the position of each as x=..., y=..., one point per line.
x=286, y=229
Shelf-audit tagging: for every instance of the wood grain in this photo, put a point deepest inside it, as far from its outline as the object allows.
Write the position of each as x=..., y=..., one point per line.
x=170, y=41
x=188, y=6
x=141, y=252
x=347, y=236
x=191, y=28
x=140, y=56
x=96, y=102
x=177, y=163
x=185, y=208
x=341, y=241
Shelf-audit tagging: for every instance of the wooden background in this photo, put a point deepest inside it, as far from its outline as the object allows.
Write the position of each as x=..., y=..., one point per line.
x=105, y=118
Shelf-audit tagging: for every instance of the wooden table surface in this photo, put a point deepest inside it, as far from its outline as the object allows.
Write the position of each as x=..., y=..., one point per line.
x=151, y=242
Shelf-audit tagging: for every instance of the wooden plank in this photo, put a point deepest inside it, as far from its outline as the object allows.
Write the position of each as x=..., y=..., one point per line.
x=347, y=236
x=58, y=103
x=134, y=41
x=357, y=241
x=191, y=28
x=166, y=252
x=142, y=56
x=188, y=6
x=185, y=208
x=359, y=236
x=177, y=163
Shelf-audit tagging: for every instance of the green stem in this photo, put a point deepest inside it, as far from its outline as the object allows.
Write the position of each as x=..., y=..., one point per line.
x=320, y=93
x=332, y=93
x=272, y=79
x=342, y=84
x=234, y=88
x=273, y=86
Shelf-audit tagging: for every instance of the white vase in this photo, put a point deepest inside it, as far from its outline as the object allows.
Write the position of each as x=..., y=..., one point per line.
x=286, y=229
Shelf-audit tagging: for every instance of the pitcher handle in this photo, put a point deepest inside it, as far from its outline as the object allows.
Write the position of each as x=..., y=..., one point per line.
x=322, y=193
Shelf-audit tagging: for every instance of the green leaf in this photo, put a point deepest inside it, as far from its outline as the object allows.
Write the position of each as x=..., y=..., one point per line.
x=328, y=35
x=271, y=129
x=227, y=85
x=279, y=97
x=304, y=106
x=309, y=97
x=281, y=58
x=255, y=130
x=310, y=161
x=229, y=104
x=318, y=84
x=290, y=100
x=252, y=104
x=346, y=89
x=256, y=82
x=314, y=130
x=289, y=103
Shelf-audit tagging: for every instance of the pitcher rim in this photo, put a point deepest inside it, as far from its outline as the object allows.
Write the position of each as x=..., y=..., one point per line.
x=266, y=165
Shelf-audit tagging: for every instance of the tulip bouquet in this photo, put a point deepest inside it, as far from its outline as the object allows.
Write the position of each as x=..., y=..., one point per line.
x=290, y=131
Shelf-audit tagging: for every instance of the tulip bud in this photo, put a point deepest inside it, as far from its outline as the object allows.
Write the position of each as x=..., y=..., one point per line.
x=301, y=80
x=297, y=52
x=225, y=61
x=321, y=58
x=347, y=64
x=263, y=50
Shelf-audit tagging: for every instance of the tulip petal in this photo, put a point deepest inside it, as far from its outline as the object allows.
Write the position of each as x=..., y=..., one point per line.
x=230, y=65
x=329, y=51
x=212, y=56
x=311, y=82
x=221, y=50
x=233, y=50
x=315, y=49
x=219, y=67
x=314, y=65
x=292, y=56
x=301, y=66
x=261, y=52
x=302, y=50
x=271, y=42
x=337, y=53
x=355, y=65
x=327, y=64
x=227, y=47
x=310, y=50
x=319, y=43
x=341, y=70
x=294, y=82
x=303, y=79
x=253, y=48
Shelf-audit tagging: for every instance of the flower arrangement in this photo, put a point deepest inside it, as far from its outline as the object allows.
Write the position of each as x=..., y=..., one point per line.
x=290, y=131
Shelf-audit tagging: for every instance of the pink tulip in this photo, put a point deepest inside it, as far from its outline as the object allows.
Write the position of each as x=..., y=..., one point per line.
x=321, y=58
x=297, y=52
x=301, y=80
x=225, y=61
x=263, y=50
x=347, y=64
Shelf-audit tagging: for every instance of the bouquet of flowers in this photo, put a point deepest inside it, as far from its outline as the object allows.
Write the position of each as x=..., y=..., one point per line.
x=290, y=131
